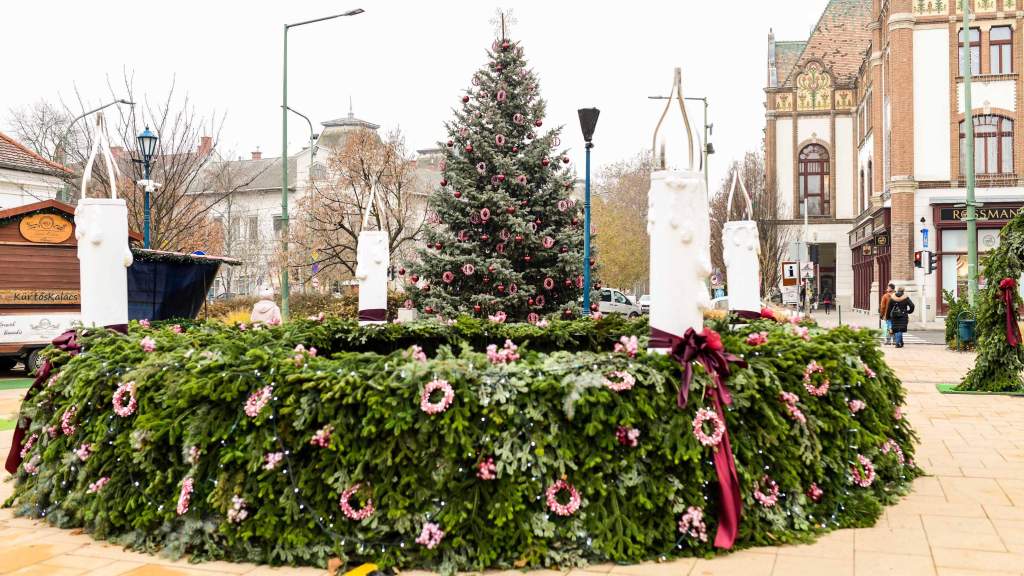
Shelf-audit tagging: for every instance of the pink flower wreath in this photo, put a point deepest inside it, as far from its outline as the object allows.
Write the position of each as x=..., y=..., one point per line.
x=570, y=507
x=865, y=478
x=708, y=415
x=120, y=407
x=350, y=512
x=809, y=372
x=441, y=405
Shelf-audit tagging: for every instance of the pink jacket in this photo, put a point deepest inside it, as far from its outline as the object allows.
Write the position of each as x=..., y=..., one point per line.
x=267, y=312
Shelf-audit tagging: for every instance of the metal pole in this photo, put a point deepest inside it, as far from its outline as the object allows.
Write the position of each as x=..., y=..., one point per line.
x=707, y=186
x=145, y=208
x=284, y=181
x=586, y=237
x=972, y=226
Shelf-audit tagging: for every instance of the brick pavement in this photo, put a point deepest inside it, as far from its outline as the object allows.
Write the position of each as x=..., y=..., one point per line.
x=965, y=519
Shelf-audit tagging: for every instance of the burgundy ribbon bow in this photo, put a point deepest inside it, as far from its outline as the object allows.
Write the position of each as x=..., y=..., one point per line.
x=67, y=342
x=706, y=347
x=373, y=315
x=1007, y=287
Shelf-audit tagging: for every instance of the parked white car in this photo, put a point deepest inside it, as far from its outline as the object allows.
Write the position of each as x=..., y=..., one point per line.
x=613, y=301
x=645, y=304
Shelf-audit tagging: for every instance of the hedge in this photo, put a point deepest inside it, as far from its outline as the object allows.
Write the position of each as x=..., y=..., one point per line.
x=267, y=479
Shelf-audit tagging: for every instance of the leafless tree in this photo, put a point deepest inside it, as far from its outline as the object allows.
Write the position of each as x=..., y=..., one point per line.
x=620, y=219
x=332, y=212
x=774, y=235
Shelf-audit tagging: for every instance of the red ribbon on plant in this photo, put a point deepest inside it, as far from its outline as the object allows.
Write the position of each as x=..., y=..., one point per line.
x=706, y=347
x=1007, y=287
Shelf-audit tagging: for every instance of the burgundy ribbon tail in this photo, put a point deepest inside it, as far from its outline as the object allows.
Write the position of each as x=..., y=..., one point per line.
x=373, y=315
x=694, y=347
x=1012, y=329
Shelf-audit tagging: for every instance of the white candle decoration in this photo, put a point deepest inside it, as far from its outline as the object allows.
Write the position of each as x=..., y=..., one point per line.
x=741, y=249
x=372, y=261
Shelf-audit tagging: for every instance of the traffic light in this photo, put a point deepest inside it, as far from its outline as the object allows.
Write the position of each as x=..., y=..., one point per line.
x=933, y=262
x=918, y=259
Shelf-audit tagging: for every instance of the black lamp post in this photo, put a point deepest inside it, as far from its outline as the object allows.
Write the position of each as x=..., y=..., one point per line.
x=588, y=122
x=147, y=149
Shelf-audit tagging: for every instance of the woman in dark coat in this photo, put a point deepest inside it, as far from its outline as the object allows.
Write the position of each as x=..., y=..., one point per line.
x=900, y=309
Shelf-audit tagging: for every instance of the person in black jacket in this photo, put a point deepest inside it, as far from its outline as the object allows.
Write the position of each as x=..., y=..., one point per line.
x=900, y=309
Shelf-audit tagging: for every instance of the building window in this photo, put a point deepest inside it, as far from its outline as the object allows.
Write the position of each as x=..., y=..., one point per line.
x=278, y=223
x=1000, y=40
x=975, y=52
x=863, y=203
x=993, y=145
x=254, y=228
x=318, y=171
x=814, y=181
x=870, y=182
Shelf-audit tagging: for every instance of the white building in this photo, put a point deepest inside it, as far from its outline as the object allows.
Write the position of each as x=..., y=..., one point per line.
x=27, y=177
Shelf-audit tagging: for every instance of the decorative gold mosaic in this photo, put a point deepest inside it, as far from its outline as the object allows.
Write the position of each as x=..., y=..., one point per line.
x=844, y=99
x=980, y=6
x=813, y=88
x=784, y=101
x=930, y=7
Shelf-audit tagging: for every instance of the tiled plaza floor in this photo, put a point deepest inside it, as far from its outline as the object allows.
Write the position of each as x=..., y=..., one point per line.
x=966, y=519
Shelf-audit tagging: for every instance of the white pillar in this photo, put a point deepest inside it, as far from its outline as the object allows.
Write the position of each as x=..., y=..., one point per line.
x=101, y=227
x=741, y=247
x=372, y=261
x=680, y=233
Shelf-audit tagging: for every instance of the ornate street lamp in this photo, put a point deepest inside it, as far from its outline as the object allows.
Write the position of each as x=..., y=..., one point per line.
x=147, y=149
x=588, y=122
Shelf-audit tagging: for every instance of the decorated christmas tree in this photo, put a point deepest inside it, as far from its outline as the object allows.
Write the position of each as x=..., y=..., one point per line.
x=506, y=238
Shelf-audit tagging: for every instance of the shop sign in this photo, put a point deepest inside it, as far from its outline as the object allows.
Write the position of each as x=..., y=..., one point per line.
x=953, y=214
x=35, y=328
x=39, y=297
x=882, y=240
x=45, y=228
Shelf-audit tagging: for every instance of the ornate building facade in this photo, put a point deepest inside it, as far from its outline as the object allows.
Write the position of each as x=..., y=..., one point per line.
x=865, y=125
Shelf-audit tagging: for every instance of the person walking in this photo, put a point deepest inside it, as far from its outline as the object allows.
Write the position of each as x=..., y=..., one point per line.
x=883, y=311
x=900, y=309
x=826, y=302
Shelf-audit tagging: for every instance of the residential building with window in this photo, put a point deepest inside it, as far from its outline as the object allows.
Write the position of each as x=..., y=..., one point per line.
x=27, y=177
x=866, y=126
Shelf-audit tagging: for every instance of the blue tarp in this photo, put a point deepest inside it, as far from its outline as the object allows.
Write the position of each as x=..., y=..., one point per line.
x=161, y=290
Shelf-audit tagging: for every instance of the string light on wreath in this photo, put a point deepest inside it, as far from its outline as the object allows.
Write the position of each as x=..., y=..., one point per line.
x=448, y=395
x=571, y=506
x=706, y=415
x=813, y=371
x=351, y=513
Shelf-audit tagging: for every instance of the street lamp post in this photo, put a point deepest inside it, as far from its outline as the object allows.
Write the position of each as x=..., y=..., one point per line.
x=284, y=155
x=972, y=218
x=588, y=122
x=147, y=149
x=67, y=131
x=312, y=154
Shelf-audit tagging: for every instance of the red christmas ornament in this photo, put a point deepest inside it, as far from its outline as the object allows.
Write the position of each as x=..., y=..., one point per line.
x=511, y=209
x=515, y=149
x=519, y=237
x=538, y=123
x=594, y=307
x=597, y=286
x=575, y=221
x=415, y=278
x=457, y=194
x=523, y=202
x=501, y=177
x=401, y=271
x=444, y=182
x=487, y=279
x=529, y=302
x=476, y=308
x=500, y=287
x=568, y=282
x=527, y=258
x=465, y=99
x=563, y=249
x=545, y=162
x=484, y=237
x=429, y=310
x=491, y=268
x=592, y=261
x=438, y=246
x=505, y=45
x=565, y=159
x=567, y=313
x=469, y=148
x=451, y=143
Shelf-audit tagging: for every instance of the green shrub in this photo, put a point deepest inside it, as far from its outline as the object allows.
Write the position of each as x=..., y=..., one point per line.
x=954, y=307
x=544, y=417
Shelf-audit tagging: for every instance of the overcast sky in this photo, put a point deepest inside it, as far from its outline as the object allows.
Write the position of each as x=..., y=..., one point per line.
x=404, y=63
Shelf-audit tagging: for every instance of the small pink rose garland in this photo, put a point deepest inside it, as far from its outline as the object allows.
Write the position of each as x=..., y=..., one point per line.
x=350, y=512
x=27, y=446
x=148, y=344
x=814, y=492
x=867, y=370
x=772, y=497
x=628, y=344
x=708, y=415
x=891, y=446
x=418, y=354
x=430, y=536
x=542, y=323
x=144, y=323
x=32, y=466
x=66, y=425
x=856, y=406
x=812, y=369
x=692, y=524
x=628, y=436
x=506, y=355
x=301, y=354
x=84, y=451
x=257, y=401
x=120, y=408
x=322, y=437
x=625, y=381
x=237, y=512
x=98, y=485
x=790, y=400
x=865, y=478
x=441, y=405
x=802, y=332
x=487, y=469
x=184, y=497
x=596, y=315
x=757, y=338
x=570, y=507
x=271, y=460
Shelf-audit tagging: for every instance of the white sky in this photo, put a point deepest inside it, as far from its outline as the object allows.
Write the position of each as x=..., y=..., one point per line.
x=404, y=63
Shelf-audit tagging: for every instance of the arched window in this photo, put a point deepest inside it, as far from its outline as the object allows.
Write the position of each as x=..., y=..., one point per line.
x=993, y=145
x=870, y=183
x=813, y=176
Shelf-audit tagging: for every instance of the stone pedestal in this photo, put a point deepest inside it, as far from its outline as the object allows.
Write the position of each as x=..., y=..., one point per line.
x=679, y=228
x=407, y=315
x=101, y=227
x=372, y=261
